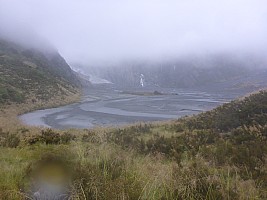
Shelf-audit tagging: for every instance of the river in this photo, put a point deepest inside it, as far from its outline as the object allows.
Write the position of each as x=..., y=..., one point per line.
x=109, y=106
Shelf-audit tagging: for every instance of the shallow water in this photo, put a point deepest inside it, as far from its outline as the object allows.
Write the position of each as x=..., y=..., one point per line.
x=108, y=106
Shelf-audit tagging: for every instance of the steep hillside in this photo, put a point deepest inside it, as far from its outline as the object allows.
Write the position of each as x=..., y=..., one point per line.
x=229, y=142
x=249, y=111
x=28, y=74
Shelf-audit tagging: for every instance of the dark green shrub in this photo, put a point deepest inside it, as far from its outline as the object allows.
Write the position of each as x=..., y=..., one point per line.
x=65, y=138
x=50, y=137
x=12, y=141
x=32, y=139
x=23, y=130
x=89, y=137
x=8, y=140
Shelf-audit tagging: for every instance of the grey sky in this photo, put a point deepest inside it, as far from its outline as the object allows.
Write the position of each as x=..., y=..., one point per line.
x=103, y=30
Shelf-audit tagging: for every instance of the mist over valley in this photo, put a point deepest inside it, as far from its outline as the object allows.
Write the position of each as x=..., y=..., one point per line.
x=133, y=99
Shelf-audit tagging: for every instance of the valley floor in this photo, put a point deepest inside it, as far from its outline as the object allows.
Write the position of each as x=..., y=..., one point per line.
x=111, y=106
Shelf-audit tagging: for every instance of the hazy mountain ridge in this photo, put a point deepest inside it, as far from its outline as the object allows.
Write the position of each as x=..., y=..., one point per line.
x=28, y=73
x=184, y=73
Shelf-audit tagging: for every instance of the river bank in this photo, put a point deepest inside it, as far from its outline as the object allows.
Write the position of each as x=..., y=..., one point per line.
x=9, y=120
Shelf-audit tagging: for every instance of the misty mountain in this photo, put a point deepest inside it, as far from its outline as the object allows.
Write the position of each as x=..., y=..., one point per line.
x=183, y=73
x=29, y=73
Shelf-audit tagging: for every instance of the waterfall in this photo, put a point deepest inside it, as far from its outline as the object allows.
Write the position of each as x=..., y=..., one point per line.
x=142, y=80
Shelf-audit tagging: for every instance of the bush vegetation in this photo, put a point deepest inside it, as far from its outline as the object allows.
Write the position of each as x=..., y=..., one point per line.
x=220, y=154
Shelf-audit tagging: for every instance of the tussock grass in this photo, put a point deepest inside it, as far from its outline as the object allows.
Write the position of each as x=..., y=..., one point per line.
x=188, y=158
x=104, y=170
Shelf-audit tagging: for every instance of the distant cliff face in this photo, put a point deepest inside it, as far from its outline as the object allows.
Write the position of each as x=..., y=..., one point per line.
x=33, y=74
x=184, y=73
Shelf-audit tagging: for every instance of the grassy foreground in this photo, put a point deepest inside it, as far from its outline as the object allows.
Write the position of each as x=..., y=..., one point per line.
x=220, y=154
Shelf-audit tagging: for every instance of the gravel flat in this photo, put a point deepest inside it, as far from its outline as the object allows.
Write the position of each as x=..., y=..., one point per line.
x=106, y=106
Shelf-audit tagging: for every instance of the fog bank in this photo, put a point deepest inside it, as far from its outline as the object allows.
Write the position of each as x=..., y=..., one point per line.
x=107, y=31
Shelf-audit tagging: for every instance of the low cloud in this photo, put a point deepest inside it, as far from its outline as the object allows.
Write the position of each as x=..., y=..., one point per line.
x=107, y=31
